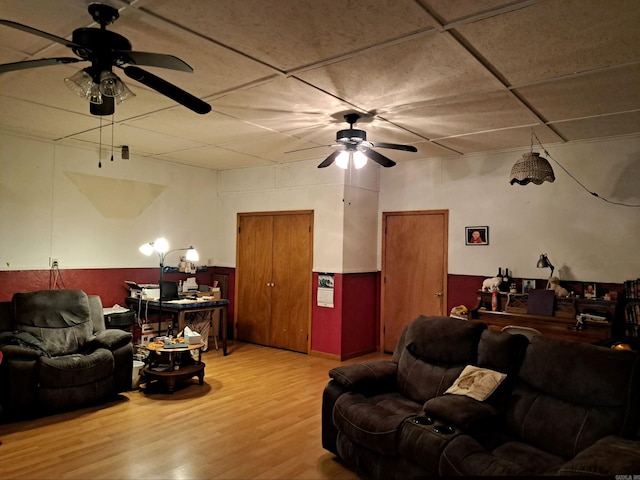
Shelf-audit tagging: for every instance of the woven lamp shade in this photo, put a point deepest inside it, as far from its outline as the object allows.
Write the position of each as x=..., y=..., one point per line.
x=531, y=168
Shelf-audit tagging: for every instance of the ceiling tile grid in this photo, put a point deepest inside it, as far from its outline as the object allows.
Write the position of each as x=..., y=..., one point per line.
x=447, y=77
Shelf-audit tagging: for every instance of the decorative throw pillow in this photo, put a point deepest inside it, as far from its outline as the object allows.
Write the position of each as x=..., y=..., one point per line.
x=477, y=383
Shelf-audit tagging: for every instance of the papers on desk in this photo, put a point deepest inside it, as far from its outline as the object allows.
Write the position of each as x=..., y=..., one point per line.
x=115, y=309
x=190, y=301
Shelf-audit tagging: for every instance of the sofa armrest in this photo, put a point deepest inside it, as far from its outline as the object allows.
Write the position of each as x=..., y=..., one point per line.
x=460, y=411
x=109, y=339
x=370, y=376
x=612, y=455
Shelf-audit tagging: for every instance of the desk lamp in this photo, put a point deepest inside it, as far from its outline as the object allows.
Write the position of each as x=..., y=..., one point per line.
x=544, y=262
x=161, y=247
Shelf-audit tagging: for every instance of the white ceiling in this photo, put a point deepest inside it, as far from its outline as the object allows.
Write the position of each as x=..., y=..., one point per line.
x=448, y=76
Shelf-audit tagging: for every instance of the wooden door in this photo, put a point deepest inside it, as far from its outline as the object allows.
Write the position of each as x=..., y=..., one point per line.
x=291, y=292
x=253, y=291
x=414, y=270
x=274, y=279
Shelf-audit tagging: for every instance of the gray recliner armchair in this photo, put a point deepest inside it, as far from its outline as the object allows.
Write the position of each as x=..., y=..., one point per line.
x=58, y=355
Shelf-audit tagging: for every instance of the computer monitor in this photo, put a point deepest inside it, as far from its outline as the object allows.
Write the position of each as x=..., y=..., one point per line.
x=169, y=290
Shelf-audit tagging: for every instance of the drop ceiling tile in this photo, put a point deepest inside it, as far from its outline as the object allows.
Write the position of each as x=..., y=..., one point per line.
x=403, y=75
x=426, y=150
x=19, y=116
x=290, y=34
x=600, y=127
x=215, y=158
x=57, y=17
x=377, y=130
x=465, y=114
x=216, y=69
x=281, y=105
x=605, y=91
x=556, y=38
x=213, y=128
x=279, y=148
x=137, y=139
x=499, y=140
x=448, y=11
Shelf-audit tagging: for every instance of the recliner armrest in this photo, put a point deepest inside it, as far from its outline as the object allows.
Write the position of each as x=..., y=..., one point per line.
x=21, y=345
x=460, y=411
x=109, y=339
x=612, y=455
x=19, y=351
x=370, y=376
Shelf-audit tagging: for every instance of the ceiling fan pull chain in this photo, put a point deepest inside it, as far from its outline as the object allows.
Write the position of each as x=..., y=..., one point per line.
x=112, y=136
x=100, y=147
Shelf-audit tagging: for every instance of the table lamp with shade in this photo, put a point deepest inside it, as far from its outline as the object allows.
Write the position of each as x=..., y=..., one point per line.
x=161, y=247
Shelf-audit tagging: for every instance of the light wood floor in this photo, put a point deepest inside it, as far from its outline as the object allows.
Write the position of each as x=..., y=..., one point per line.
x=256, y=416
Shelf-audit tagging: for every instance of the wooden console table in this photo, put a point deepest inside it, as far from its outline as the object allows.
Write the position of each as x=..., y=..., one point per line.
x=563, y=324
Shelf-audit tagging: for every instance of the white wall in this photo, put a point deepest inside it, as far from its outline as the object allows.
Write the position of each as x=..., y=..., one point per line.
x=43, y=213
x=297, y=186
x=585, y=238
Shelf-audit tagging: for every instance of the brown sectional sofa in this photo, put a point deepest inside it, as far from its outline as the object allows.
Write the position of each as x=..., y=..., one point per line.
x=562, y=408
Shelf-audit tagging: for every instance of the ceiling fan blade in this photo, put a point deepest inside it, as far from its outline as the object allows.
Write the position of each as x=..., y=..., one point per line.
x=39, y=33
x=155, y=60
x=168, y=89
x=379, y=158
x=329, y=160
x=310, y=148
x=42, y=62
x=395, y=146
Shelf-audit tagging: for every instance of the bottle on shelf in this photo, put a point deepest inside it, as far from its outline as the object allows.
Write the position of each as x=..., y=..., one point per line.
x=494, y=300
x=506, y=281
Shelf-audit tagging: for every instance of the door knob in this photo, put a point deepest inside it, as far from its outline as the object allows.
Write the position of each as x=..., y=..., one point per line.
x=438, y=294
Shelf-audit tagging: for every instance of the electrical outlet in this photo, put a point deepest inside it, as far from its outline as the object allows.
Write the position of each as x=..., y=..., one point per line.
x=53, y=262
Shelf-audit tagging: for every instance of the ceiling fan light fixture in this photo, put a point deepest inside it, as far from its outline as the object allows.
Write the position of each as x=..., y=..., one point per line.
x=110, y=84
x=80, y=83
x=359, y=159
x=124, y=95
x=342, y=160
x=94, y=94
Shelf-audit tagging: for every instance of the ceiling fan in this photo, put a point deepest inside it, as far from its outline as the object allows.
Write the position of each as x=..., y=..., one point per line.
x=106, y=49
x=353, y=145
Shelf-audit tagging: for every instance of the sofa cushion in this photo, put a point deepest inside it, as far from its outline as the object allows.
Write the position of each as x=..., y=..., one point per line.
x=444, y=340
x=61, y=319
x=607, y=457
x=464, y=455
x=373, y=421
x=571, y=394
x=75, y=369
x=436, y=350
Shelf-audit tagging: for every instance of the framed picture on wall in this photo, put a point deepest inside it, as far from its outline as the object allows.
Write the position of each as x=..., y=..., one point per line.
x=589, y=290
x=476, y=235
x=528, y=284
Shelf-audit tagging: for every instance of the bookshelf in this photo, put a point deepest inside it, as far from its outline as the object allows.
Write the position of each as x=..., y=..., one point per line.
x=632, y=308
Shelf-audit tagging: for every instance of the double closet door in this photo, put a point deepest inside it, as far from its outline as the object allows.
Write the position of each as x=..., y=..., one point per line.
x=274, y=279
